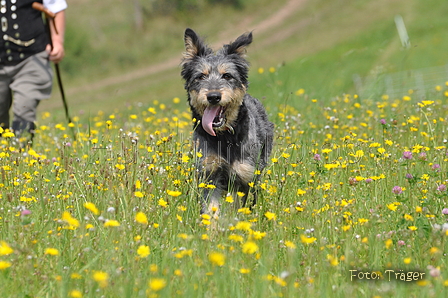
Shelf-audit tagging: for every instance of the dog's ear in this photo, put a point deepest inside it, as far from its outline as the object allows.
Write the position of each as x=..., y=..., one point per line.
x=194, y=45
x=239, y=45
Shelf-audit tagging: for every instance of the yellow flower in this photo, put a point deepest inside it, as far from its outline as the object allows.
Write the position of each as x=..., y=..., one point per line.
x=138, y=184
x=381, y=150
x=75, y=294
x=290, y=245
x=4, y=265
x=75, y=276
x=51, y=251
x=425, y=103
x=286, y=155
x=301, y=192
x=141, y=218
x=112, y=223
x=388, y=243
x=236, y=238
x=407, y=260
x=392, y=207
x=90, y=206
x=244, y=271
x=301, y=91
x=178, y=272
x=243, y=225
x=163, y=203
x=330, y=166
x=5, y=249
x=206, y=216
x=332, y=260
x=412, y=228
x=67, y=217
x=229, y=198
x=250, y=247
x=408, y=217
x=101, y=278
x=434, y=250
x=244, y=210
x=8, y=134
x=217, y=258
x=120, y=166
x=307, y=240
x=257, y=235
x=143, y=251
x=139, y=194
x=157, y=284
x=173, y=193
x=270, y=215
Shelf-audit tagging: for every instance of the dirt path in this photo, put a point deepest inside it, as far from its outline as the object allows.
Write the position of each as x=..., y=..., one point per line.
x=276, y=19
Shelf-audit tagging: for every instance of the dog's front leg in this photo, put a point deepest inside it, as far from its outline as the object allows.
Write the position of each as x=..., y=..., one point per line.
x=215, y=176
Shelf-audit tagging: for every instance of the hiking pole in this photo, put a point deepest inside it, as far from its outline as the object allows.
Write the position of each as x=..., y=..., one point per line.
x=50, y=16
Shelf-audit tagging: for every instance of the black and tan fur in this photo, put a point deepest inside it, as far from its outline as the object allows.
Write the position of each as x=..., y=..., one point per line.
x=237, y=143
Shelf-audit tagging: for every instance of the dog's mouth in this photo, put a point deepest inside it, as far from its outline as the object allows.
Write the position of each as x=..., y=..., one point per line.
x=213, y=118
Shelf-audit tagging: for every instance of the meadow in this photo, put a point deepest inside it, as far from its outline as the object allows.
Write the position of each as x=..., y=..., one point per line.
x=356, y=189
x=352, y=204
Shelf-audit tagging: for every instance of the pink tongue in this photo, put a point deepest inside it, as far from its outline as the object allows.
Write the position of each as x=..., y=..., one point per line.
x=207, y=119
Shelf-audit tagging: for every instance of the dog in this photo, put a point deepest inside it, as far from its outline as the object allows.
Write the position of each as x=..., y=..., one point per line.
x=231, y=128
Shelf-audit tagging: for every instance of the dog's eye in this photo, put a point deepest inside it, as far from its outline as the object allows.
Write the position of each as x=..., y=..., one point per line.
x=227, y=76
x=201, y=77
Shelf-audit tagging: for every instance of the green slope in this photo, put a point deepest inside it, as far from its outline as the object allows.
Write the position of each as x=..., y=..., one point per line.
x=318, y=47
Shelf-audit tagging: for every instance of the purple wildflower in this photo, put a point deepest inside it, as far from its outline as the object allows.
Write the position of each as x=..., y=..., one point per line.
x=397, y=190
x=441, y=187
x=436, y=167
x=407, y=155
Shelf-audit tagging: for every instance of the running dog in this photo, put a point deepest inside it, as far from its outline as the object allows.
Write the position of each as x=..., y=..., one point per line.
x=231, y=129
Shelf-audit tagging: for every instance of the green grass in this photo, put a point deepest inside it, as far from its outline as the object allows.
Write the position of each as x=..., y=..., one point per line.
x=321, y=50
x=327, y=203
x=327, y=206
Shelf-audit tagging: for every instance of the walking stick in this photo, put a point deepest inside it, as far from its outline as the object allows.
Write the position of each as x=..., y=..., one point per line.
x=50, y=16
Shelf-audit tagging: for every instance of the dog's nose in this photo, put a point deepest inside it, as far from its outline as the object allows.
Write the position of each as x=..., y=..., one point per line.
x=213, y=97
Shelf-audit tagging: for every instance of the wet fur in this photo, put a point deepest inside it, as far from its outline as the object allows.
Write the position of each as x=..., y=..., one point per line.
x=241, y=146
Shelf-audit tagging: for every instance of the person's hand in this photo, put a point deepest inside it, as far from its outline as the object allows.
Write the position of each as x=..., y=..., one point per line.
x=57, y=53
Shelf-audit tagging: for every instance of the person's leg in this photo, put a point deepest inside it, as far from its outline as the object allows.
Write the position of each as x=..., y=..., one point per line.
x=32, y=83
x=5, y=97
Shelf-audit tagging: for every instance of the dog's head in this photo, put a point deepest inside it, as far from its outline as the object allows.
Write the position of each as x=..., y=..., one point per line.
x=216, y=82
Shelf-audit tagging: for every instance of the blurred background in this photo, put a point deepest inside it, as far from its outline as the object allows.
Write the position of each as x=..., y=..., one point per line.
x=122, y=52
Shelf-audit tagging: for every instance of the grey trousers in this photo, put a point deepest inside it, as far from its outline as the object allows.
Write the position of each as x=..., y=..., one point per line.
x=22, y=86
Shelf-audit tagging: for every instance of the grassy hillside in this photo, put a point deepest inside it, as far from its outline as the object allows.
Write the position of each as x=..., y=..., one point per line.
x=355, y=191
x=319, y=46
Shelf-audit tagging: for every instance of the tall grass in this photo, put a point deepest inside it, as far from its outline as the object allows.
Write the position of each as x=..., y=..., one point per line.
x=353, y=184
